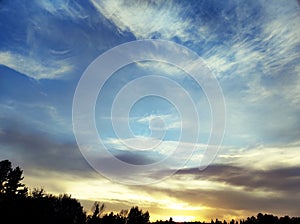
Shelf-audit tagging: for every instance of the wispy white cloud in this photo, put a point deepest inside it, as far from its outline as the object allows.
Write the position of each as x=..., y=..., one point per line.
x=261, y=157
x=35, y=68
x=63, y=8
x=272, y=52
x=149, y=19
x=161, y=68
x=141, y=143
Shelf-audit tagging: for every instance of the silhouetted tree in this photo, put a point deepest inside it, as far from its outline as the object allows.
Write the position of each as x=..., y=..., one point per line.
x=109, y=219
x=250, y=220
x=68, y=210
x=38, y=193
x=97, y=211
x=218, y=222
x=17, y=206
x=12, y=192
x=113, y=219
x=123, y=213
x=171, y=220
x=137, y=216
x=295, y=220
x=266, y=219
x=285, y=219
x=5, y=168
x=10, y=180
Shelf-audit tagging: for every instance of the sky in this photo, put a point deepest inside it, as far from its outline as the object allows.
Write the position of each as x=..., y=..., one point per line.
x=121, y=102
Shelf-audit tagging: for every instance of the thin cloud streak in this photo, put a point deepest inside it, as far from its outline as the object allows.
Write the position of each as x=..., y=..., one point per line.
x=34, y=68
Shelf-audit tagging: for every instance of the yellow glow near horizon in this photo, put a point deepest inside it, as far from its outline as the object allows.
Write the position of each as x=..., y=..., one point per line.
x=176, y=218
x=183, y=218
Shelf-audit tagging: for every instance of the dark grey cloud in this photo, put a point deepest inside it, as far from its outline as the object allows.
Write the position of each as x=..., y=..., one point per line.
x=285, y=179
x=134, y=157
x=35, y=150
x=38, y=152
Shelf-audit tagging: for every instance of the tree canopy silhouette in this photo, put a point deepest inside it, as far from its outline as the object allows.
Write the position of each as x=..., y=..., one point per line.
x=97, y=211
x=17, y=206
x=10, y=180
x=137, y=216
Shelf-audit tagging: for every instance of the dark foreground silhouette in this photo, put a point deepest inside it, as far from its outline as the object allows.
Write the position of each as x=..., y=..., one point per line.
x=18, y=205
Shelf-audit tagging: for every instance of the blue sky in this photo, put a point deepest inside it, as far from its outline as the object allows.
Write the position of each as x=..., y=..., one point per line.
x=251, y=47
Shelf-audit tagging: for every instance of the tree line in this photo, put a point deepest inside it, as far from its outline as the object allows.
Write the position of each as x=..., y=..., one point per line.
x=20, y=205
x=262, y=219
